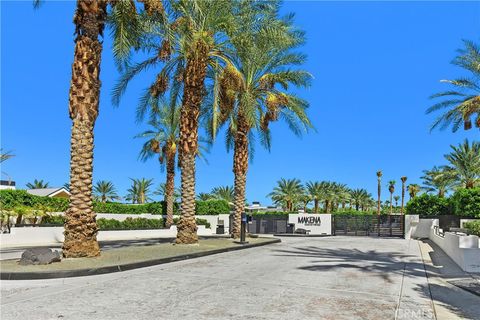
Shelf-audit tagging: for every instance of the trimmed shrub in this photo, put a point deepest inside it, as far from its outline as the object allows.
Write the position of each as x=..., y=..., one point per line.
x=466, y=202
x=352, y=212
x=429, y=205
x=473, y=227
x=269, y=213
x=49, y=219
x=212, y=207
x=10, y=199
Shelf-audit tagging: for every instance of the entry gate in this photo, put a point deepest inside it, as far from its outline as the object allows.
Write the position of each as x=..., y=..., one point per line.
x=268, y=223
x=368, y=225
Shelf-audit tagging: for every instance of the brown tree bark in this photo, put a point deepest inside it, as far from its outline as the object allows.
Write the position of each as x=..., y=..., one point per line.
x=193, y=92
x=315, y=201
x=170, y=188
x=80, y=226
x=240, y=167
x=404, y=179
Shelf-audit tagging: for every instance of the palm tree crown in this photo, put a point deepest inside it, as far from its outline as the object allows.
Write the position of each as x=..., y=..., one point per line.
x=105, y=191
x=287, y=193
x=465, y=162
x=464, y=98
x=37, y=184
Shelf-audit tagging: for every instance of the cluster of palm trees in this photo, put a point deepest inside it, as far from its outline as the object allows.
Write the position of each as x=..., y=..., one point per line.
x=462, y=170
x=326, y=196
x=220, y=64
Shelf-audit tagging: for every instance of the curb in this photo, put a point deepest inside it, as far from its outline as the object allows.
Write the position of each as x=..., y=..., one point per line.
x=299, y=235
x=122, y=267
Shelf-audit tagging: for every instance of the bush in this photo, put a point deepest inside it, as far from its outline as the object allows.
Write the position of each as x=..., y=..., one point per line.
x=212, y=207
x=49, y=219
x=466, y=202
x=130, y=224
x=270, y=213
x=473, y=227
x=10, y=199
x=353, y=212
x=429, y=205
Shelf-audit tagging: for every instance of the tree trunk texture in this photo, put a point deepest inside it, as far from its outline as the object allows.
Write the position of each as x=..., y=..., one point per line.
x=193, y=92
x=240, y=167
x=379, y=202
x=403, y=197
x=316, y=205
x=170, y=189
x=80, y=226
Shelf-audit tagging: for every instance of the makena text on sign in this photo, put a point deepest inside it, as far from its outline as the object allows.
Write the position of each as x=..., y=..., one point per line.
x=310, y=221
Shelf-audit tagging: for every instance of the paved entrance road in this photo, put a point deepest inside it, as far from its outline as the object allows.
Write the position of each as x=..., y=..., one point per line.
x=301, y=278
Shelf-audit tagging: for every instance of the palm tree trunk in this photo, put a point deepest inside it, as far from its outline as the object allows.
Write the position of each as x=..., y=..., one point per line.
x=316, y=205
x=379, y=202
x=403, y=196
x=194, y=89
x=80, y=225
x=240, y=167
x=391, y=203
x=170, y=188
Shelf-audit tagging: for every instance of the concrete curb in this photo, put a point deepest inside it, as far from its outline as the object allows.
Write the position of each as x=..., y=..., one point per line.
x=123, y=267
x=299, y=235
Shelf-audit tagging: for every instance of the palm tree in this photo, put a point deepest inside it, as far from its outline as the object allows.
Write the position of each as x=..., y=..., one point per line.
x=379, y=191
x=105, y=191
x=391, y=189
x=252, y=90
x=287, y=193
x=226, y=193
x=37, y=184
x=396, y=198
x=5, y=155
x=202, y=196
x=162, y=190
x=139, y=192
x=404, y=180
x=439, y=179
x=201, y=27
x=464, y=99
x=89, y=19
x=360, y=198
x=314, y=191
x=162, y=139
x=465, y=162
x=413, y=190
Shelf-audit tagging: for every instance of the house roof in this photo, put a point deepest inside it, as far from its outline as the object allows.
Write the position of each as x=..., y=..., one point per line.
x=47, y=192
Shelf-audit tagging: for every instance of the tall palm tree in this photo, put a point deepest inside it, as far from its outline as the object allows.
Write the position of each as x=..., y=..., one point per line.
x=465, y=162
x=105, y=191
x=37, y=184
x=226, y=193
x=404, y=180
x=89, y=19
x=162, y=140
x=314, y=191
x=202, y=26
x=162, y=190
x=140, y=191
x=253, y=90
x=287, y=193
x=439, y=179
x=379, y=191
x=413, y=190
x=391, y=189
x=464, y=98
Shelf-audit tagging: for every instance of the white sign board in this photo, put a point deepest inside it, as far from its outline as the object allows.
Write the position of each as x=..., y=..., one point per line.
x=316, y=223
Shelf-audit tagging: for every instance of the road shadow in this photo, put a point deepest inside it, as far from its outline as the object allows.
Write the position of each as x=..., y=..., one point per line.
x=379, y=263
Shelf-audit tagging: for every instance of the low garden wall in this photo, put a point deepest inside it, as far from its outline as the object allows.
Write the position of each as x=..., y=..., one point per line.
x=35, y=236
x=462, y=249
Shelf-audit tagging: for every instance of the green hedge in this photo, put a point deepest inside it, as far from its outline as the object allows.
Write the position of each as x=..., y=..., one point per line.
x=10, y=199
x=429, y=205
x=127, y=224
x=212, y=207
x=466, y=202
x=473, y=227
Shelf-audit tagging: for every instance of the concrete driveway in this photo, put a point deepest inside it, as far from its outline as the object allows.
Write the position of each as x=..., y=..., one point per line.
x=300, y=278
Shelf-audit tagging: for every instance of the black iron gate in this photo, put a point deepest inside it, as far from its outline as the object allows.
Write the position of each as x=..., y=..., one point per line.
x=268, y=223
x=368, y=225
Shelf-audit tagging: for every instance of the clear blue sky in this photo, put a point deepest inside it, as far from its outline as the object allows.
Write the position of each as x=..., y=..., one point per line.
x=375, y=64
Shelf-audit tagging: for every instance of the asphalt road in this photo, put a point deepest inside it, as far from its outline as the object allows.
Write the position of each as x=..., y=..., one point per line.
x=300, y=278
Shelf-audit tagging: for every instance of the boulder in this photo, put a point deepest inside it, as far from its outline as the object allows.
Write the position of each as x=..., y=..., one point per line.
x=39, y=256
